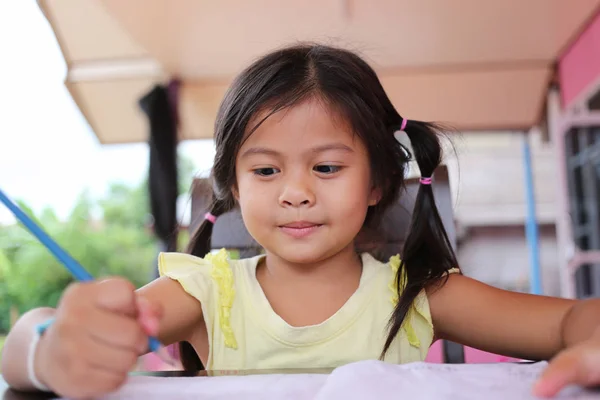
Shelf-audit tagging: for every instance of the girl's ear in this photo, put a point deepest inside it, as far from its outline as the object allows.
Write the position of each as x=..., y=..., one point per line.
x=375, y=196
x=235, y=193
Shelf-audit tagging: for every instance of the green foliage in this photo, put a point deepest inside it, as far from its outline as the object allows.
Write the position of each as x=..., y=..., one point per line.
x=108, y=237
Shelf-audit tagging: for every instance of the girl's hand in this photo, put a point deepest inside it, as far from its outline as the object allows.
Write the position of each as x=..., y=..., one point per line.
x=578, y=365
x=100, y=329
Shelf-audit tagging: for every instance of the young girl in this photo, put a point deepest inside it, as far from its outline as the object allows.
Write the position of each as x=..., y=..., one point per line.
x=306, y=149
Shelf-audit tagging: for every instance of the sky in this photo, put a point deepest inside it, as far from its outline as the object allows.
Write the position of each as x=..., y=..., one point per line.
x=48, y=153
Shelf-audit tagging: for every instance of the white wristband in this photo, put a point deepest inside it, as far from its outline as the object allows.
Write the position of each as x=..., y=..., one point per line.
x=31, y=363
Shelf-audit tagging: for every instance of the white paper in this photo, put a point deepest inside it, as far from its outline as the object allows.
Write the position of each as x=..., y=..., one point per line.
x=376, y=380
x=293, y=387
x=361, y=380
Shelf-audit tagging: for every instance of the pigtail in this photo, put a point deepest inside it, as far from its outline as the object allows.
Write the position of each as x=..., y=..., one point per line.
x=199, y=246
x=200, y=243
x=427, y=254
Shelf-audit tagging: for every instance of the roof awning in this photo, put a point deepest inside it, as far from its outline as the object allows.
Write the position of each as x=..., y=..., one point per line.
x=474, y=64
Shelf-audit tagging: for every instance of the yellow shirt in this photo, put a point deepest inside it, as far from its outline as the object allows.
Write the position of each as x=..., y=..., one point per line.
x=245, y=333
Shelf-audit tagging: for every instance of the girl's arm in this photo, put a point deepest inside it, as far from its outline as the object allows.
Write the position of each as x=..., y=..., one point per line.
x=525, y=326
x=514, y=324
x=16, y=346
x=181, y=313
x=581, y=322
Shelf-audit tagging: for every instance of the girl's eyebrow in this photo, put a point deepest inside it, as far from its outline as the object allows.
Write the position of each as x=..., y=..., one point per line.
x=315, y=150
x=332, y=146
x=259, y=150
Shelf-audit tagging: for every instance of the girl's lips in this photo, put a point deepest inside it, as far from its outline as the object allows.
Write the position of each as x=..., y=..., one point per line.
x=300, y=229
x=299, y=224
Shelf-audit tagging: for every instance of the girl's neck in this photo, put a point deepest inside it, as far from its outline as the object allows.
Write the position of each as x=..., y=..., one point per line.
x=345, y=264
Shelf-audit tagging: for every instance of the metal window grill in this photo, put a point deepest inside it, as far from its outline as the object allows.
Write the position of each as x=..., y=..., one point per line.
x=582, y=159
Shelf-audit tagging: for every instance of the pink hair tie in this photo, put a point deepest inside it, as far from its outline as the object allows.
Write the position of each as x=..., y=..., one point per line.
x=403, y=125
x=425, y=181
x=209, y=217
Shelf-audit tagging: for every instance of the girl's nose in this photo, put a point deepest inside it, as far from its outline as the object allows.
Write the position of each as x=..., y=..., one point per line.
x=297, y=194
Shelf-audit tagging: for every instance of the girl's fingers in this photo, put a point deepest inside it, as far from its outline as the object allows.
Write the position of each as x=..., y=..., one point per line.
x=117, y=330
x=562, y=371
x=111, y=359
x=148, y=316
x=116, y=295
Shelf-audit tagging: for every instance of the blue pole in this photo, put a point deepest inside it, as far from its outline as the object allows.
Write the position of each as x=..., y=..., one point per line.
x=531, y=227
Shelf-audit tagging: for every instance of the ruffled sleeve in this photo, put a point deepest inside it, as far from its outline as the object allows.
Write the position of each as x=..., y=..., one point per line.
x=418, y=324
x=210, y=281
x=192, y=273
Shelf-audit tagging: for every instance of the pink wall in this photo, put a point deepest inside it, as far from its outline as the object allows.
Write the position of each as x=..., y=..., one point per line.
x=436, y=355
x=579, y=66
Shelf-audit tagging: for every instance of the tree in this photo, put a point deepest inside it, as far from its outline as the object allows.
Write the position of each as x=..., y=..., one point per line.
x=32, y=277
x=117, y=243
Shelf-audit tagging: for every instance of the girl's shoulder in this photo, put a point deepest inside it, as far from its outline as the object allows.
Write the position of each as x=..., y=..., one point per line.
x=418, y=327
x=214, y=280
x=392, y=266
x=202, y=276
x=215, y=265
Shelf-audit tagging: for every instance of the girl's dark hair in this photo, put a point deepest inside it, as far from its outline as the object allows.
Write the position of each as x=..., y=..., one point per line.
x=352, y=90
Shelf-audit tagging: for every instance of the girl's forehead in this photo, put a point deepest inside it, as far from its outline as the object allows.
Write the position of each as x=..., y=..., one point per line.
x=311, y=123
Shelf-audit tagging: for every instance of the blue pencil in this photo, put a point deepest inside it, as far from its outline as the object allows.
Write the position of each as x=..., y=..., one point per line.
x=71, y=264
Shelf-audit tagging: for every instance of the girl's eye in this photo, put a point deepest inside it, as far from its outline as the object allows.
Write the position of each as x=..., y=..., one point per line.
x=327, y=169
x=265, y=171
